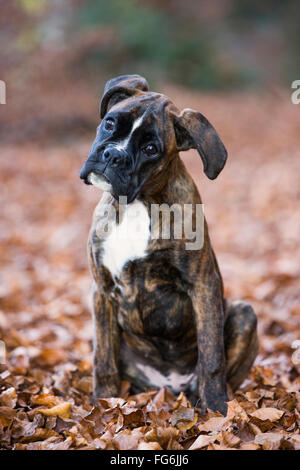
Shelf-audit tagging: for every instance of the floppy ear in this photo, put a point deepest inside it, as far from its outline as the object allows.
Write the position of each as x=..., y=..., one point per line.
x=193, y=130
x=120, y=88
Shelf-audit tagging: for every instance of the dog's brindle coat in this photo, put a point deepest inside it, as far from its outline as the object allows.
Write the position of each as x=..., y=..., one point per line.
x=159, y=312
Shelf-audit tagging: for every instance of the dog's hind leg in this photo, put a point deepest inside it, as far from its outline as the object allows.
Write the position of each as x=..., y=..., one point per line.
x=241, y=343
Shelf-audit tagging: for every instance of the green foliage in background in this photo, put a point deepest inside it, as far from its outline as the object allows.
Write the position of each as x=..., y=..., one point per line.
x=218, y=45
x=147, y=40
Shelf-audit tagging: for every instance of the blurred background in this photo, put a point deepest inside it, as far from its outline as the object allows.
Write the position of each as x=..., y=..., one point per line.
x=232, y=60
x=54, y=51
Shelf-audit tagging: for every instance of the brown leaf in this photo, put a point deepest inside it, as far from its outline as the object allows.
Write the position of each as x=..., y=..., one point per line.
x=85, y=385
x=107, y=403
x=52, y=443
x=6, y=415
x=149, y=446
x=45, y=399
x=236, y=410
x=214, y=424
x=249, y=446
x=127, y=440
x=270, y=414
x=184, y=418
x=8, y=398
x=229, y=439
x=182, y=401
x=62, y=425
x=21, y=428
x=164, y=399
x=63, y=410
x=50, y=357
x=162, y=435
x=269, y=440
x=295, y=440
x=203, y=441
x=40, y=434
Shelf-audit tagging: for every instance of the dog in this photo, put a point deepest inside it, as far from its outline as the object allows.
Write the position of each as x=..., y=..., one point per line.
x=160, y=317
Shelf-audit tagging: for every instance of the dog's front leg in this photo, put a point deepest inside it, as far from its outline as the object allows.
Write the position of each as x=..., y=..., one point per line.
x=211, y=367
x=106, y=347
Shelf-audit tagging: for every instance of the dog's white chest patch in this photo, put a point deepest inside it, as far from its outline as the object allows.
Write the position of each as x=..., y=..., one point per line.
x=128, y=240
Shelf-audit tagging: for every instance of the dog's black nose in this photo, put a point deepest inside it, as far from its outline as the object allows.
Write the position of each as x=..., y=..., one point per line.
x=114, y=156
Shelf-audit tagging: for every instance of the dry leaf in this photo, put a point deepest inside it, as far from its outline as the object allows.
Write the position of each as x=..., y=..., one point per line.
x=149, y=446
x=8, y=397
x=269, y=440
x=203, y=441
x=214, y=425
x=184, y=418
x=63, y=410
x=228, y=439
x=46, y=399
x=270, y=414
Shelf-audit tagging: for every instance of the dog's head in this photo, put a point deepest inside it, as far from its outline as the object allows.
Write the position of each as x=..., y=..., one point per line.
x=140, y=134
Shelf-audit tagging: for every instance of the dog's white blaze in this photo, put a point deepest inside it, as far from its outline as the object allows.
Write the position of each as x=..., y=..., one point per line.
x=99, y=181
x=128, y=240
x=173, y=380
x=123, y=144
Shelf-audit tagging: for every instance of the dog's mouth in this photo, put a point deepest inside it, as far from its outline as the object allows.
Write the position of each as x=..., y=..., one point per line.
x=99, y=181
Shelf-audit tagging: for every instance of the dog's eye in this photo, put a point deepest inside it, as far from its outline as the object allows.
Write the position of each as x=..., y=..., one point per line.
x=109, y=125
x=150, y=149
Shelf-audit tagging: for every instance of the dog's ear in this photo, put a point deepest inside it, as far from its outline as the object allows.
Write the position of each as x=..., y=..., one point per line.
x=120, y=88
x=193, y=130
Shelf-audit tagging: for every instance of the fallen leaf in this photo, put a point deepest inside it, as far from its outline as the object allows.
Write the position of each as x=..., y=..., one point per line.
x=184, y=418
x=269, y=440
x=228, y=439
x=9, y=397
x=63, y=410
x=270, y=414
x=214, y=424
x=149, y=446
x=203, y=441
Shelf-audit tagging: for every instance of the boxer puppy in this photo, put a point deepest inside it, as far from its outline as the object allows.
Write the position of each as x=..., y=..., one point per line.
x=159, y=313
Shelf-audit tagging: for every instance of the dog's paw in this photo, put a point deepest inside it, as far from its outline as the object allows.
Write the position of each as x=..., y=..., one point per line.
x=106, y=387
x=214, y=403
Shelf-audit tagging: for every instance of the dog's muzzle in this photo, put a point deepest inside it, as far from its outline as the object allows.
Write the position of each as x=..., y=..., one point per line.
x=111, y=157
x=90, y=175
x=98, y=164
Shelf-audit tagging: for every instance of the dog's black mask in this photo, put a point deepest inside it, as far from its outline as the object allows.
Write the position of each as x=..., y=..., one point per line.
x=126, y=149
x=138, y=133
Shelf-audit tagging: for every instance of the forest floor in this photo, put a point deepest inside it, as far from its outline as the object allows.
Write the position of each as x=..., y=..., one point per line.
x=253, y=214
